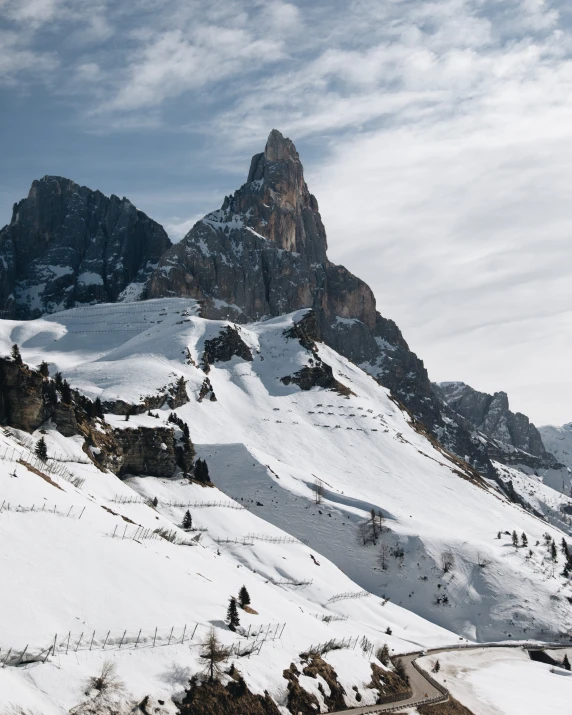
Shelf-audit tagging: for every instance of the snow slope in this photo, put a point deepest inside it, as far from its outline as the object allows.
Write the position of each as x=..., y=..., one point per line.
x=73, y=567
x=502, y=681
x=266, y=444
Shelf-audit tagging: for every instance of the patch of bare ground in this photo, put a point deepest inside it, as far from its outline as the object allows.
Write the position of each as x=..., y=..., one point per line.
x=232, y=699
x=300, y=701
x=40, y=474
x=389, y=684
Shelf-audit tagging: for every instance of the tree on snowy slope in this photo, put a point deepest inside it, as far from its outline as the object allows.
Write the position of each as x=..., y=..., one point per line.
x=232, y=618
x=202, y=471
x=244, y=597
x=566, y=662
x=16, y=356
x=41, y=450
x=187, y=521
x=213, y=653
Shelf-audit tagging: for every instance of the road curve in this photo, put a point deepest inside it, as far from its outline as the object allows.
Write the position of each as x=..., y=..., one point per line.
x=423, y=691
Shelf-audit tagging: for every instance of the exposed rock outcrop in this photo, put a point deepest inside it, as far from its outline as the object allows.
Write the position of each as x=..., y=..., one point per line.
x=146, y=450
x=28, y=400
x=67, y=244
x=24, y=399
x=491, y=415
x=225, y=346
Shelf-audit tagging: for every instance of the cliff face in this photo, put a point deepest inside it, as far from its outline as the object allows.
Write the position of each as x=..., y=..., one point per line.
x=28, y=400
x=491, y=415
x=67, y=244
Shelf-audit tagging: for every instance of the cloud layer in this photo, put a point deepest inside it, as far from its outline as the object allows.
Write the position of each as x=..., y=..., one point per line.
x=437, y=137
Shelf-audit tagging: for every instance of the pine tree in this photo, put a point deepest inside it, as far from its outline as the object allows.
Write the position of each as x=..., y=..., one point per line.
x=565, y=549
x=499, y=535
x=59, y=381
x=66, y=393
x=202, y=471
x=243, y=597
x=388, y=631
x=437, y=667
x=187, y=521
x=41, y=450
x=553, y=552
x=98, y=408
x=524, y=540
x=16, y=356
x=232, y=619
x=515, y=539
x=44, y=369
x=566, y=662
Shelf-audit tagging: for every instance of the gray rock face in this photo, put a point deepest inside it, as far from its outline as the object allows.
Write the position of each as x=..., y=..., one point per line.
x=67, y=244
x=558, y=441
x=491, y=414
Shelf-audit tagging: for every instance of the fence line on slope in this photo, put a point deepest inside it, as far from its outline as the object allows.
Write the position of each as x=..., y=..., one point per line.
x=70, y=513
x=27, y=458
x=123, y=639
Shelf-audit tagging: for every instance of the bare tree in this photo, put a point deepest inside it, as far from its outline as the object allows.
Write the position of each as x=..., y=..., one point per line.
x=447, y=561
x=213, y=653
x=107, y=682
x=374, y=528
x=318, y=491
x=384, y=554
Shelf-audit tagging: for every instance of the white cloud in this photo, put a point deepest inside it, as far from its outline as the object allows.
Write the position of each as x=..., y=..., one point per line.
x=177, y=228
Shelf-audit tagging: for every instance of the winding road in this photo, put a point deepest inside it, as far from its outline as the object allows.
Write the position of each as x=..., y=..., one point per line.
x=422, y=684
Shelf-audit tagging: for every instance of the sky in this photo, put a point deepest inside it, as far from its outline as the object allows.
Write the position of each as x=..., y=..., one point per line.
x=435, y=134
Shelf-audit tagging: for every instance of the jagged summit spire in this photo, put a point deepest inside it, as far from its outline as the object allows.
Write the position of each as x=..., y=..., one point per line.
x=279, y=148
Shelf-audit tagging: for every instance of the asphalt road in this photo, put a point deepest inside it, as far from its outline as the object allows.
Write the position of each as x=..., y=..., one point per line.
x=422, y=689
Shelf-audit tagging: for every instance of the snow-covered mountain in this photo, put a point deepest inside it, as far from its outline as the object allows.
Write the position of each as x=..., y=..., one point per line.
x=357, y=504
x=291, y=413
x=558, y=441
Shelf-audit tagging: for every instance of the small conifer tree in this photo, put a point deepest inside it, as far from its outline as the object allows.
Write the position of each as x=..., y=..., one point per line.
x=232, y=619
x=244, y=597
x=187, y=521
x=41, y=450
x=553, y=552
x=66, y=393
x=566, y=662
x=98, y=408
x=524, y=540
x=436, y=667
x=44, y=369
x=515, y=539
x=16, y=356
x=388, y=631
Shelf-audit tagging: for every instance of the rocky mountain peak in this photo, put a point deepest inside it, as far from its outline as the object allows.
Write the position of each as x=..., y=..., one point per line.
x=67, y=244
x=276, y=203
x=491, y=415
